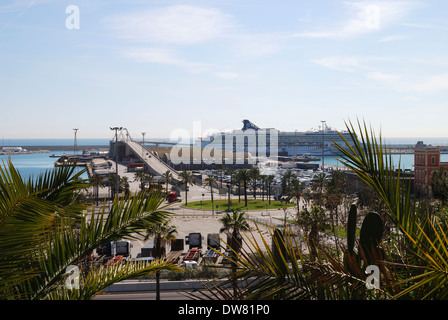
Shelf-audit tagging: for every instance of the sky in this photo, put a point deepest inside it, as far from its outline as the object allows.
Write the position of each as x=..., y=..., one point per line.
x=160, y=66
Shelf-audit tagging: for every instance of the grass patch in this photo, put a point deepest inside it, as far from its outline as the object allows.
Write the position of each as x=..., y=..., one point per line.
x=251, y=205
x=341, y=231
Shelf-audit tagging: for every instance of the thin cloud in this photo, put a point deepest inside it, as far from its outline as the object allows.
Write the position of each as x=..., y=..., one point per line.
x=180, y=24
x=164, y=56
x=363, y=18
x=392, y=38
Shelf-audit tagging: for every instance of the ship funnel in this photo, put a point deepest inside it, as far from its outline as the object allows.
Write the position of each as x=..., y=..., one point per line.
x=249, y=125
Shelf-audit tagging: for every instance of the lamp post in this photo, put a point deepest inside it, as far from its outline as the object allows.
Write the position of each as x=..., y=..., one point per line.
x=116, y=155
x=75, y=144
x=228, y=199
x=323, y=145
x=143, y=143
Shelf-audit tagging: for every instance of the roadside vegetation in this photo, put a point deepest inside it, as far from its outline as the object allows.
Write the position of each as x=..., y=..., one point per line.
x=222, y=205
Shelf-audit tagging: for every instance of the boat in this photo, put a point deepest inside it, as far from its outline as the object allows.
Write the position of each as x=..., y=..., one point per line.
x=304, y=146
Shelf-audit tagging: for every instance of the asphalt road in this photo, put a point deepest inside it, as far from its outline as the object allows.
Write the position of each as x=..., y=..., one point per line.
x=144, y=295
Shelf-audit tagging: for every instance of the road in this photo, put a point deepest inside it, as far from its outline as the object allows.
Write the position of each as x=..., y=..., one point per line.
x=144, y=295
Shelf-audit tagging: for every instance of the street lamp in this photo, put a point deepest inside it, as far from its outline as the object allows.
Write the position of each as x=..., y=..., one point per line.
x=75, y=144
x=323, y=145
x=228, y=200
x=143, y=143
x=116, y=155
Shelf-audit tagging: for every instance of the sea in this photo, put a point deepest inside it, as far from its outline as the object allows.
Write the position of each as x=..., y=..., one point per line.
x=34, y=164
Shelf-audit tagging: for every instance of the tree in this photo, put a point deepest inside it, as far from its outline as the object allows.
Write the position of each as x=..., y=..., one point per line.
x=287, y=180
x=143, y=178
x=232, y=224
x=221, y=170
x=124, y=184
x=210, y=181
x=295, y=190
x=314, y=221
x=97, y=181
x=269, y=180
x=318, y=184
x=243, y=176
x=56, y=234
x=333, y=197
x=254, y=174
x=439, y=186
x=187, y=178
x=232, y=173
x=162, y=233
x=168, y=178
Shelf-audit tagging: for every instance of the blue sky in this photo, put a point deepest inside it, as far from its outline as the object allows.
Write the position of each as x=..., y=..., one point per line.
x=158, y=66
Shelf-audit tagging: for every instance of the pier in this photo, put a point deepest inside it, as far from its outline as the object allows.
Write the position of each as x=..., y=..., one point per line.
x=23, y=152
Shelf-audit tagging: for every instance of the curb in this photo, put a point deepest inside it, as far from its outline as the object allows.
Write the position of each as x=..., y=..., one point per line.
x=128, y=286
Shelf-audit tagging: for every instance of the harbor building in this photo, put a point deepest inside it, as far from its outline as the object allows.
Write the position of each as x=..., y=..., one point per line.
x=426, y=161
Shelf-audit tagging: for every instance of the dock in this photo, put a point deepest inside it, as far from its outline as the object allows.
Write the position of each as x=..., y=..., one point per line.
x=23, y=152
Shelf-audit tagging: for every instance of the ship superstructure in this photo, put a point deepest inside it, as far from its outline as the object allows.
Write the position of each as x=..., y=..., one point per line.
x=255, y=140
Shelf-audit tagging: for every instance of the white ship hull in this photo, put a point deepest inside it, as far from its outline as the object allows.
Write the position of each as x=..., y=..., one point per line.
x=253, y=140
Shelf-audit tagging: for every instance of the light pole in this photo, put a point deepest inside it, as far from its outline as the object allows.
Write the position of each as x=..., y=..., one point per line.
x=75, y=144
x=143, y=143
x=228, y=199
x=116, y=156
x=323, y=145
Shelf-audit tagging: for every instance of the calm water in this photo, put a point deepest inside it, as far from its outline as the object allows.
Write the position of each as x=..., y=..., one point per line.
x=33, y=164
x=406, y=161
x=51, y=142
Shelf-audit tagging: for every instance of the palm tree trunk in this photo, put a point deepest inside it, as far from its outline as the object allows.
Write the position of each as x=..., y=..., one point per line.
x=245, y=193
x=239, y=192
x=211, y=194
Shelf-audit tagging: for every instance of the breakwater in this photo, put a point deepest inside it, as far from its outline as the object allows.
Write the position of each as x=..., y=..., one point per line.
x=24, y=152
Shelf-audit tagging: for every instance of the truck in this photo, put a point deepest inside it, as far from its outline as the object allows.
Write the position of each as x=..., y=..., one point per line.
x=194, y=240
x=211, y=255
x=115, y=251
x=123, y=248
x=214, y=241
x=192, y=255
x=172, y=196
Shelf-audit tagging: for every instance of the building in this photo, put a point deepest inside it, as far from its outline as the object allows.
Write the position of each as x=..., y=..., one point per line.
x=426, y=161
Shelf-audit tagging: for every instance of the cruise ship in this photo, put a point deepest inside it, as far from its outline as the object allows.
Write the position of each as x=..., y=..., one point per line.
x=252, y=139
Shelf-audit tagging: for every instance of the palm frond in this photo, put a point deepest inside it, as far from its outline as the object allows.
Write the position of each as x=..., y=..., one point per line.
x=100, y=277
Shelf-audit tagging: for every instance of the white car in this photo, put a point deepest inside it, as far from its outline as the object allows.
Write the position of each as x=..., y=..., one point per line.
x=189, y=264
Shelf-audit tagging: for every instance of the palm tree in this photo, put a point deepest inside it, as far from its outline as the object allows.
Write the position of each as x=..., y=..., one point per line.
x=295, y=190
x=97, y=181
x=269, y=180
x=221, y=170
x=168, y=178
x=317, y=185
x=232, y=173
x=124, y=183
x=243, y=175
x=56, y=235
x=143, y=178
x=287, y=179
x=162, y=233
x=232, y=224
x=186, y=179
x=210, y=181
x=333, y=198
x=254, y=174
